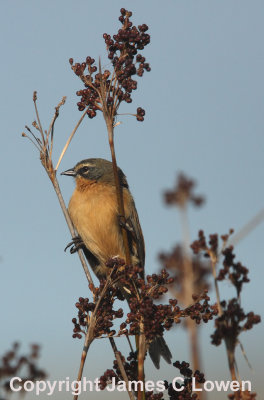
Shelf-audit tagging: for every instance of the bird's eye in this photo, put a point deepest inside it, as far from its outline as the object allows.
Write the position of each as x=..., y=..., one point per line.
x=84, y=170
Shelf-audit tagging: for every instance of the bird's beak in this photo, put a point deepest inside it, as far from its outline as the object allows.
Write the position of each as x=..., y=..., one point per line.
x=69, y=172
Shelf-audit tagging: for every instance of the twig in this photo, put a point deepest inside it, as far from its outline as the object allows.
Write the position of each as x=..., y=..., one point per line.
x=121, y=367
x=246, y=229
x=109, y=120
x=56, y=114
x=69, y=140
x=71, y=228
x=188, y=290
x=214, y=261
x=37, y=114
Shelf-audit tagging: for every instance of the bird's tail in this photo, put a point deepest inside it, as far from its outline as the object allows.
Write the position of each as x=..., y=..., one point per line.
x=157, y=348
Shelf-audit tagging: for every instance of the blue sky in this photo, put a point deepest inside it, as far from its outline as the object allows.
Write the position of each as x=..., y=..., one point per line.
x=204, y=116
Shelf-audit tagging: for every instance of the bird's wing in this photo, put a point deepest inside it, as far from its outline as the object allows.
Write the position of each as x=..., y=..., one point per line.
x=137, y=235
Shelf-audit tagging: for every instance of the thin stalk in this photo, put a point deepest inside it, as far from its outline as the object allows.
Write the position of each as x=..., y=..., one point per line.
x=51, y=127
x=230, y=346
x=70, y=138
x=247, y=228
x=70, y=226
x=141, y=356
x=119, y=193
x=37, y=114
x=83, y=358
x=188, y=268
x=213, y=265
x=188, y=290
x=89, y=337
x=121, y=367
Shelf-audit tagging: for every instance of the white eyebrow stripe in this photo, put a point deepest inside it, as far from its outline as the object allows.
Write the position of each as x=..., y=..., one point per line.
x=85, y=165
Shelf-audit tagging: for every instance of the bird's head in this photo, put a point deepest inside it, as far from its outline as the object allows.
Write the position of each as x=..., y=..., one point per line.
x=95, y=170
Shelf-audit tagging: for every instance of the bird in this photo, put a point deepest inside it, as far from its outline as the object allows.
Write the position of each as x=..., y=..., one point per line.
x=93, y=209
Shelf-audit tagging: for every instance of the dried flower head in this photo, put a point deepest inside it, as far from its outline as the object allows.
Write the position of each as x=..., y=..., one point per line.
x=175, y=262
x=182, y=193
x=105, y=90
x=184, y=391
x=25, y=366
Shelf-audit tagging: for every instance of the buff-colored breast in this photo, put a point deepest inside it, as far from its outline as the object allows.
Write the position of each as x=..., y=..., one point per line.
x=94, y=213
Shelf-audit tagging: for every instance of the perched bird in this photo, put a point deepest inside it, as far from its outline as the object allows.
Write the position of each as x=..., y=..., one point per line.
x=93, y=210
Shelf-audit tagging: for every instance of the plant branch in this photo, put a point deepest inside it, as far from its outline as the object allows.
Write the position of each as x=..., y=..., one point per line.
x=70, y=138
x=71, y=228
x=121, y=367
x=247, y=228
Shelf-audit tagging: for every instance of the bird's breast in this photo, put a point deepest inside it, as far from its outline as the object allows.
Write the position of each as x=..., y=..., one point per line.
x=94, y=213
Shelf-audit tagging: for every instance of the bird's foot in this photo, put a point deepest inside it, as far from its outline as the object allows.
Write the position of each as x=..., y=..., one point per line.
x=125, y=223
x=75, y=244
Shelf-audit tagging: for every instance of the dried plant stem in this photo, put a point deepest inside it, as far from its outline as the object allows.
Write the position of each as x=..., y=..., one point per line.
x=213, y=265
x=141, y=357
x=109, y=120
x=188, y=268
x=230, y=349
x=89, y=337
x=120, y=201
x=246, y=229
x=193, y=336
x=119, y=193
x=130, y=344
x=188, y=290
x=188, y=281
x=69, y=140
x=230, y=345
x=86, y=346
x=37, y=114
x=121, y=367
x=71, y=227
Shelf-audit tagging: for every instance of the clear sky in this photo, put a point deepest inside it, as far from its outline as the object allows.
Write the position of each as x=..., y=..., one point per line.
x=204, y=116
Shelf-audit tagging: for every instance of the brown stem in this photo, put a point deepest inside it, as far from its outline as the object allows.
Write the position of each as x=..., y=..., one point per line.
x=213, y=265
x=188, y=279
x=119, y=192
x=188, y=288
x=230, y=346
x=70, y=226
x=121, y=367
x=37, y=114
x=83, y=358
x=70, y=138
x=141, y=346
x=89, y=337
x=247, y=228
x=193, y=335
x=231, y=363
x=109, y=120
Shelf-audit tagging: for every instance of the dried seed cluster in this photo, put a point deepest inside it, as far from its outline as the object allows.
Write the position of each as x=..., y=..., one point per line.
x=128, y=282
x=12, y=364
x=104, y=317
x=212, y=248
x=232, y=319
x=175, y=262
x=232, y=322
x=182, y=193
x=186, y=387
x=104, y=90
x=131, y=368
x=234, y=271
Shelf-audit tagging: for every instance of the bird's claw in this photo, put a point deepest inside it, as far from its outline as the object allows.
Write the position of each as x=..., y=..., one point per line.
x=124, y=223
x=75, y=244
